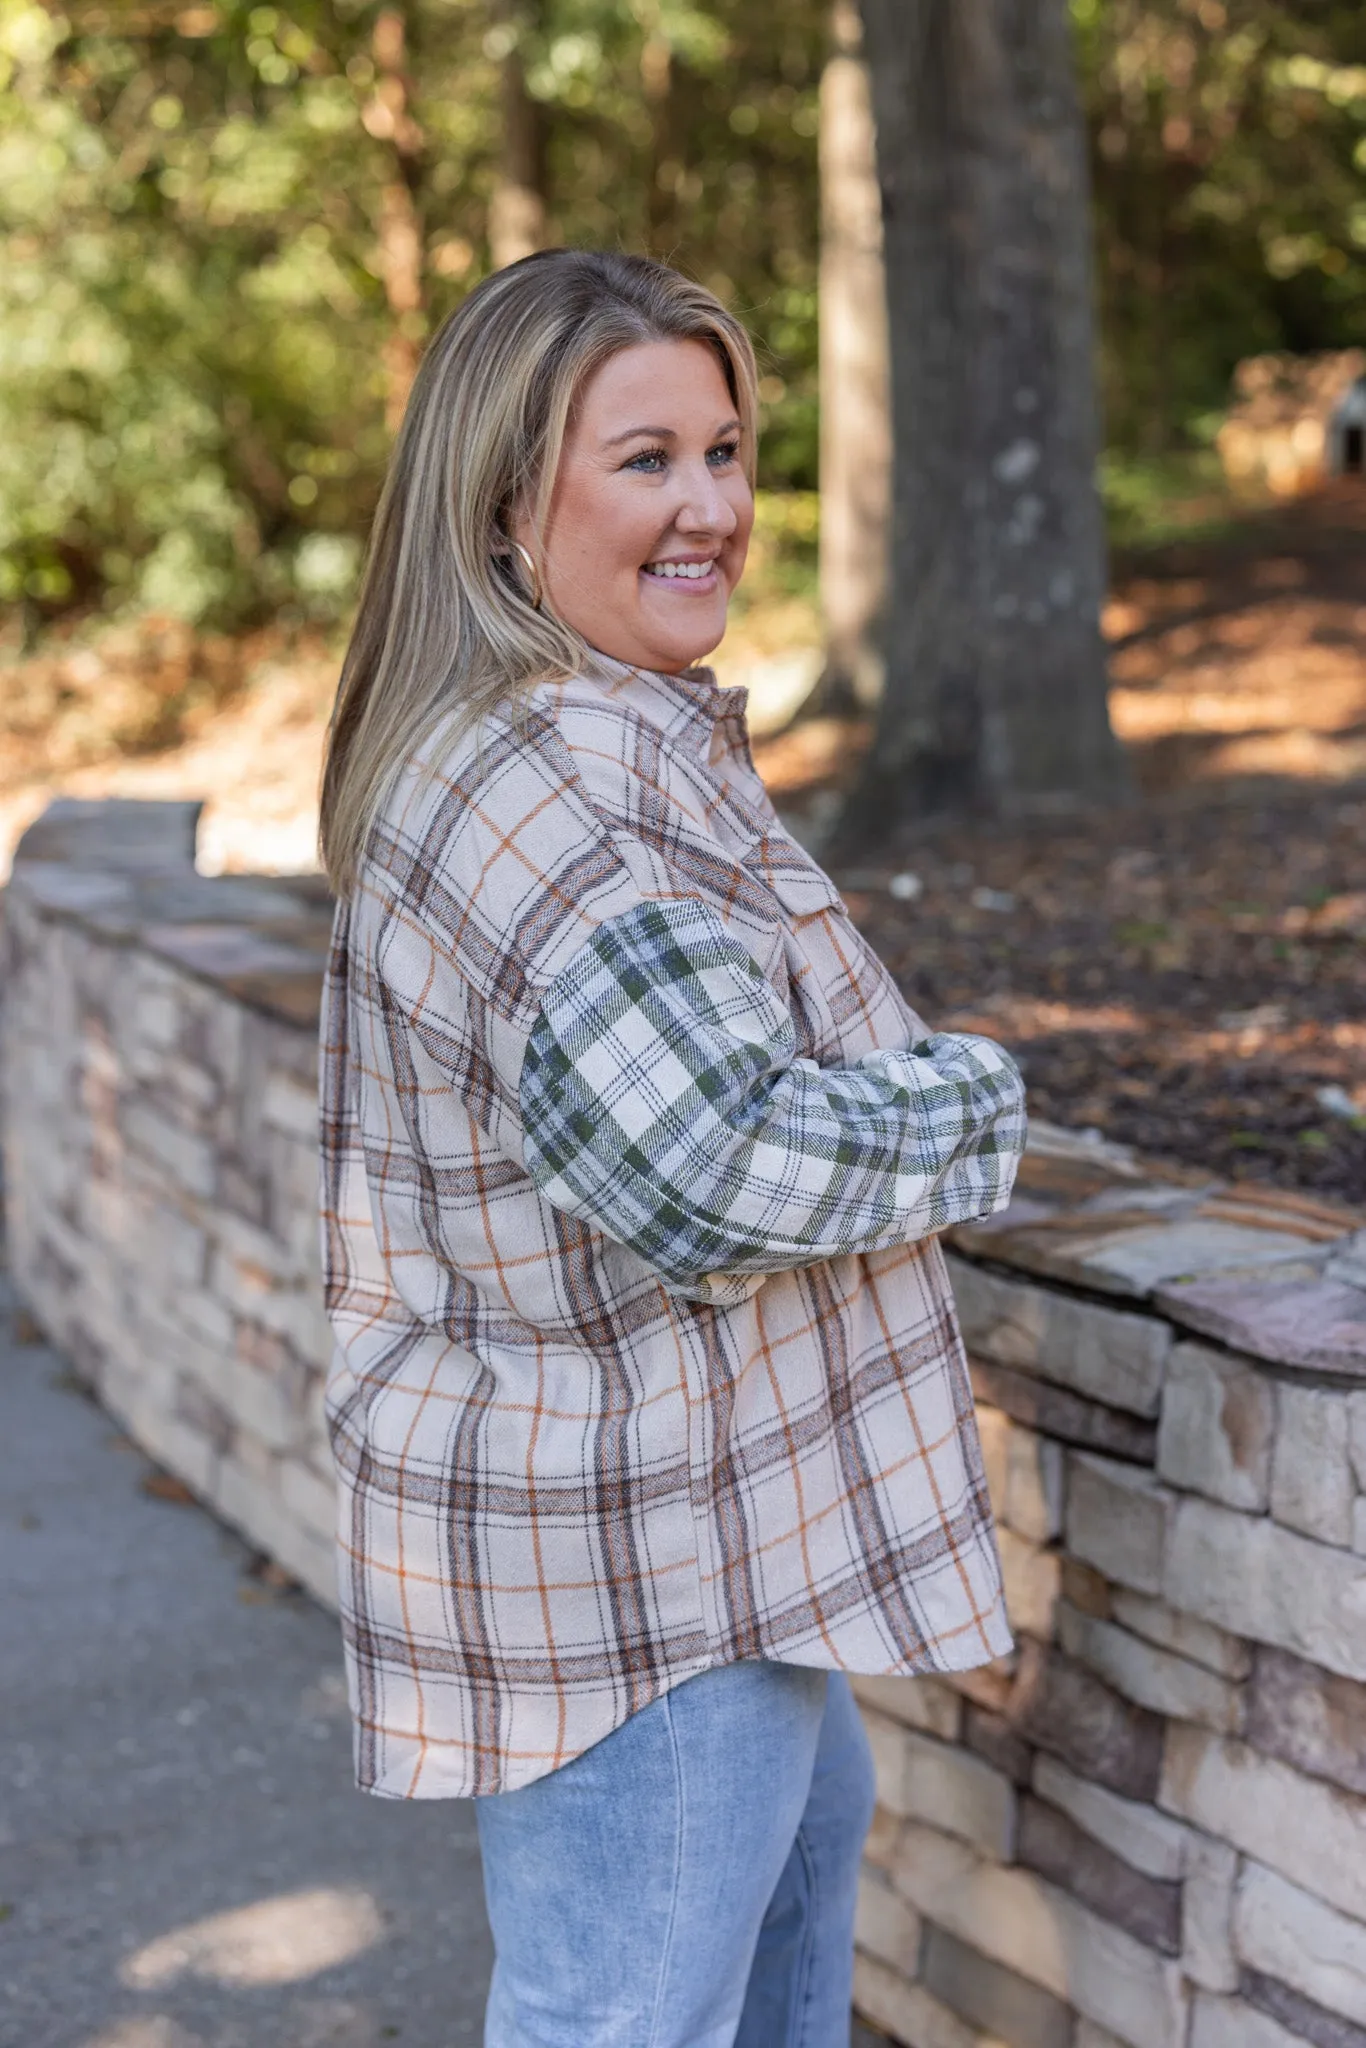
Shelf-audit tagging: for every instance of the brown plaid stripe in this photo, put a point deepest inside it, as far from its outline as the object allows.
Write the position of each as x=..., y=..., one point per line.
x=565, y=1488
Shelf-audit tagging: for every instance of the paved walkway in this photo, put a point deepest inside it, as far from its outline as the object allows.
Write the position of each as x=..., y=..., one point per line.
x=183, y=1860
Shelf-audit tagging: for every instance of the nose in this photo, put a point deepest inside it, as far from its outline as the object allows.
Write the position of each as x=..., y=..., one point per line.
x=704, y=507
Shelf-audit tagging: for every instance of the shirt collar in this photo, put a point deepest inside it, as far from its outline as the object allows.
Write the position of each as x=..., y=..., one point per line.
x=687, y=708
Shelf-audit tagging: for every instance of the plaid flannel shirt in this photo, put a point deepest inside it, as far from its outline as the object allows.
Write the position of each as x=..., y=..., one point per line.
x=646, y=1356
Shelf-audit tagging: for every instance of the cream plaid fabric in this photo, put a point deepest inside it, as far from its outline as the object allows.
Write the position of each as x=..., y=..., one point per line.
x=646, y=1357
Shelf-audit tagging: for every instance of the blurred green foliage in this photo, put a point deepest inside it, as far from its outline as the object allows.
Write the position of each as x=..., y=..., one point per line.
x=1229, y=171
x=786, y=537
x=1150, y=499
x=193, y=206
x=192, y=303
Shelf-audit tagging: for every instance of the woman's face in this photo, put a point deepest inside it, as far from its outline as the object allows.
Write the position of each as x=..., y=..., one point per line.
x=651, y=513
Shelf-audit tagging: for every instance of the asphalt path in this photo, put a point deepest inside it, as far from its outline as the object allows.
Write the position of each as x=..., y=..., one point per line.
x=184, y=1862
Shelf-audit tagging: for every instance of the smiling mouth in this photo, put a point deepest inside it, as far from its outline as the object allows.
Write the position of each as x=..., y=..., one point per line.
x=681, y=572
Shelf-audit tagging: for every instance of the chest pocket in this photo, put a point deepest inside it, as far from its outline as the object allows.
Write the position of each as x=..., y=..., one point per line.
x=823, y=954
x=805, y=891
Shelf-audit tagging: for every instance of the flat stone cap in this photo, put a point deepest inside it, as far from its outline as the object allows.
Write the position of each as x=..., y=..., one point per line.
x=121, y=834
x=1270, y=1272
x=124, y=872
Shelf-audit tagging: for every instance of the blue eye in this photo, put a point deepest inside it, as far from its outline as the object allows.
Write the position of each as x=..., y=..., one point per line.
x=654, y=461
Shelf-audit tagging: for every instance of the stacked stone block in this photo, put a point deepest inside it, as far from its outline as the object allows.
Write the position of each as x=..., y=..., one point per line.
x=1148, y=1825
x=1145, y=1827
x=159, y=1073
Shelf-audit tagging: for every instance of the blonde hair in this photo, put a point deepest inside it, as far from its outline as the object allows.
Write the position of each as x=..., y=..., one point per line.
x=445, y=629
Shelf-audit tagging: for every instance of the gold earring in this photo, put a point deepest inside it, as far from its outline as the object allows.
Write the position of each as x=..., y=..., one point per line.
x=532, y=571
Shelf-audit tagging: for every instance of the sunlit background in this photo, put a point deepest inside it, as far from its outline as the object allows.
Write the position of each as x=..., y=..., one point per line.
x=226, y=230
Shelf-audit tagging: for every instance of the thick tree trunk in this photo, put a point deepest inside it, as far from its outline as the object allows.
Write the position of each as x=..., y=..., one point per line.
x=518, y=209
x=389, y=118
x=855, y=415
x=995, y=692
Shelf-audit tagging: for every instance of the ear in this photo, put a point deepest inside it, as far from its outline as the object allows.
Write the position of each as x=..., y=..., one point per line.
x=519, y=523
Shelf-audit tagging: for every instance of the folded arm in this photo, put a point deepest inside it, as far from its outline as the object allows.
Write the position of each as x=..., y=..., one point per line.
x=663, y=1103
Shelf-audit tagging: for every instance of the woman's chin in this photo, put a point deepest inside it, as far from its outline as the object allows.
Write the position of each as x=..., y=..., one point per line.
x=680, y=658
x=685, y=647
x=645, y=640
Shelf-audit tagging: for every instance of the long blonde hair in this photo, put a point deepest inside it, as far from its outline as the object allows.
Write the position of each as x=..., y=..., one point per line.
x=445, y=628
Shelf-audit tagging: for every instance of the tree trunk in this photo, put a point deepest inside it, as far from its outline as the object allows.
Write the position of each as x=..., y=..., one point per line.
x=389, y=118
x=995, y=692
x=518, y=209
x=855, y=408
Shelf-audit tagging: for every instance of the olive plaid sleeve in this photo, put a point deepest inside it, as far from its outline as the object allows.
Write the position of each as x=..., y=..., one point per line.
x=663, y=1102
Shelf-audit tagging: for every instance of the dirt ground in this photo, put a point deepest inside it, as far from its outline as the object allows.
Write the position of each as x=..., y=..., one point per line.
x=1185, y=977
x=1187, y=973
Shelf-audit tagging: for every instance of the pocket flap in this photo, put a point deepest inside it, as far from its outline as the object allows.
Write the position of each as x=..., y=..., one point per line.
x=799, y=885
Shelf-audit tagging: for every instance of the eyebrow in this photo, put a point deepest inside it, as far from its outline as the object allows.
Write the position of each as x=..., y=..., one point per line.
x=664, y=433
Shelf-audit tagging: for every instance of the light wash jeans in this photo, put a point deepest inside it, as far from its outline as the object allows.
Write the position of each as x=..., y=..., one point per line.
x=690, y=1881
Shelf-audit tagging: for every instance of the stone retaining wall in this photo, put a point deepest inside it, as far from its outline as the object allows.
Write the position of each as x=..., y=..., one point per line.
x=158, y=1066
x=1148, y=1826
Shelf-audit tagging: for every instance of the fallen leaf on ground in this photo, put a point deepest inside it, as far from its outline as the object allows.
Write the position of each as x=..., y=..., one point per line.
x=165, y=1486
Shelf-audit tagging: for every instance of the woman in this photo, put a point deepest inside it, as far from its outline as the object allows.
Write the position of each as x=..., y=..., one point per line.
x=649, y=1405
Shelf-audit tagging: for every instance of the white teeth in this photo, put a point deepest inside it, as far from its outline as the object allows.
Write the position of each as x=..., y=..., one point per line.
x=691, y=571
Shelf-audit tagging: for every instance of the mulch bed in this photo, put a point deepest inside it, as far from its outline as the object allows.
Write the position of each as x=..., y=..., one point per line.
x=1187, y=974
x=1186, y=978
